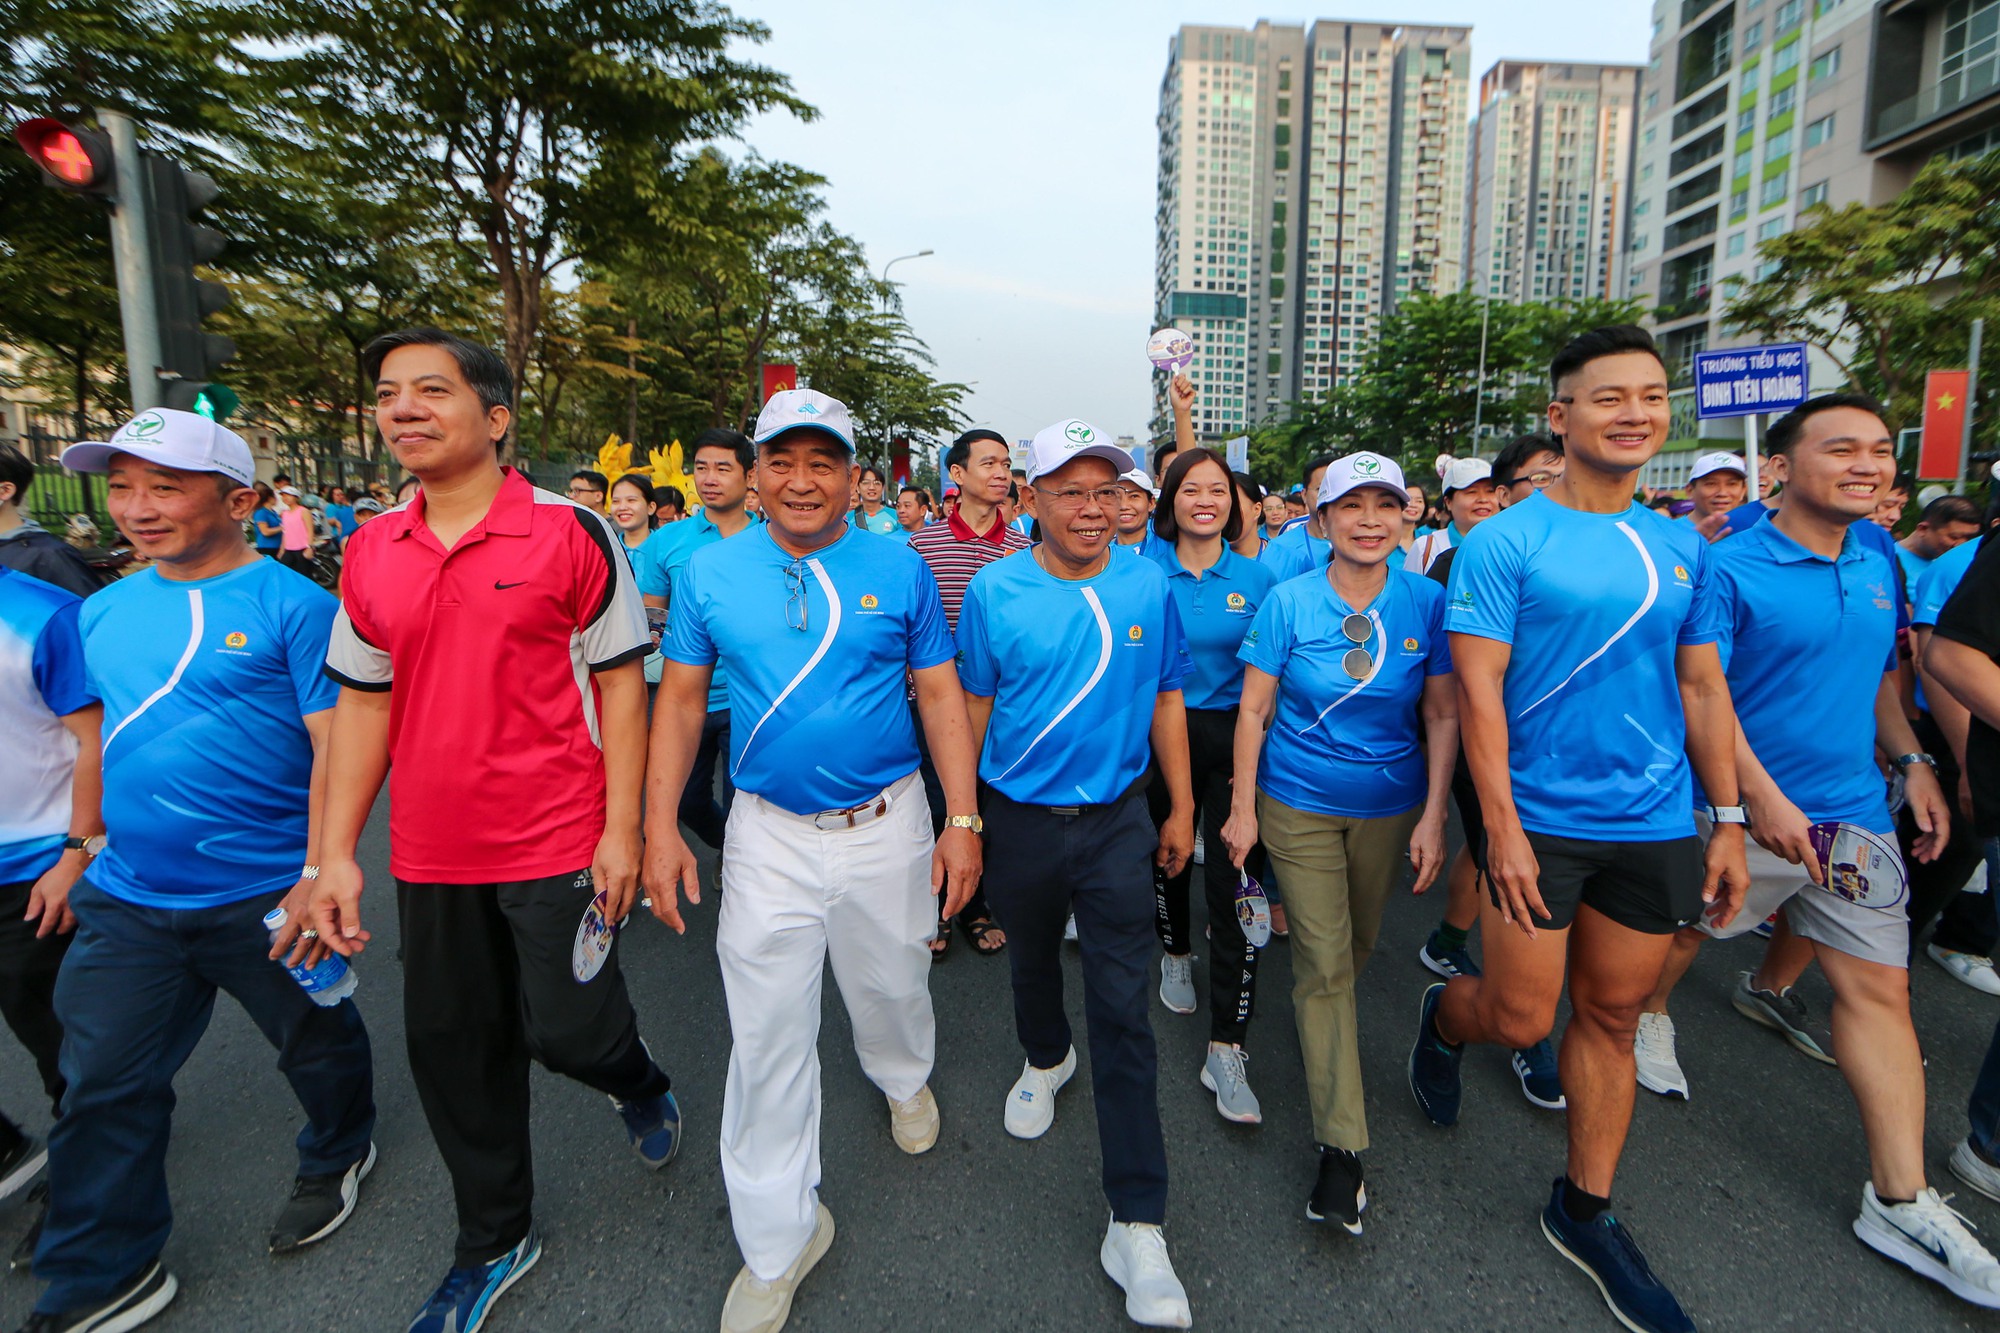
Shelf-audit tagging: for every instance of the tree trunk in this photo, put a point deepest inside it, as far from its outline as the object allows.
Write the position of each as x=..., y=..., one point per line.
x=81, y=365
x=632, y=385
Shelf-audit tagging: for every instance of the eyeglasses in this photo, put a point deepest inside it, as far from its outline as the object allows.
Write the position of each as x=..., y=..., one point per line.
x=1357, y=662
x=1107, y=496
x=1541, y=481
x=797, y=608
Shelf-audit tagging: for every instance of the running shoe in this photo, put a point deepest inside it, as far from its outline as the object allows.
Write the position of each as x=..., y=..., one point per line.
x=1606, y=1253
x=21, y=1164
x=1653, y=1055
x=1541, y=1083
x=1134, y=1255
x=652, y=1127
x=1222, y=1074
x=147, y=1295
x=1339, y=1195
x=1434, y=1076
x=1973, y=969
x=1971, y=1166
x=319, y=1204
x=1785, y=1013
x=756, y=1306
x=465, y=1297
x=1177, y=982
x=1928, y=1236
x=23, y=1258
x=1031, y=1102
x=914, y=1124
x=1447, y=963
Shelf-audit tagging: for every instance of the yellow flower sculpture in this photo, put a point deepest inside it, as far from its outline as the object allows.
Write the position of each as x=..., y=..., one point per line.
x=666, y=471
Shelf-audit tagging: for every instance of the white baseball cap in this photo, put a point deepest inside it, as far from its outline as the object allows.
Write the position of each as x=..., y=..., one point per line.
x=1356, y=471
x=184, y=441
x=1067, y=441
x=1717, y=462
x=1138, y=477
x=1464, y=472
x=804, y=409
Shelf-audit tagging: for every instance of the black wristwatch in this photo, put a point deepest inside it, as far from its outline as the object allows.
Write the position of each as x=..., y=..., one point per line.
x=1905, y=760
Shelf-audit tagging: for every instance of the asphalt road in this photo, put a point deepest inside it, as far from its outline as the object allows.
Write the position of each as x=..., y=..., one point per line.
x=1742, y=1198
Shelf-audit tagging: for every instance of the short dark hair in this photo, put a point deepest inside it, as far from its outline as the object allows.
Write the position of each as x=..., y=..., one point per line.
x=960, y=453
x=1939, y=513
x=1610, y=340
x=16, y=471
x=643, y=482
x=1905, y=482
x=721, y=437
x=282, y=479
x=484, y=369
x=1517, y=453
x=1185, y=462
x=598, y=481
x=670, y=497
x=867, y=468
x=1313, y=464
x=1785, y=431
x=1248, y=485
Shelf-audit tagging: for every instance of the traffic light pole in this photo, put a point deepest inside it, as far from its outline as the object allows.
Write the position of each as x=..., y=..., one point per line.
x=132, y=256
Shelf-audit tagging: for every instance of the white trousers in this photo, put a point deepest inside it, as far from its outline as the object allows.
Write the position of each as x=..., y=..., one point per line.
x=793, y=897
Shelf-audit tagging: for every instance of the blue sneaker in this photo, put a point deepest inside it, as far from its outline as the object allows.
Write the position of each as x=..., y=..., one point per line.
x=1447, y=963
x=653, y=1127
x=1541, y=1083
x=465, y=1297
x=1604, y=1250
x=1434, y=1064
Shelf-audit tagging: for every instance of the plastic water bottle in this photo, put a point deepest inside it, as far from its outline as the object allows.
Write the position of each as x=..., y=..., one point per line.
x=329, y=983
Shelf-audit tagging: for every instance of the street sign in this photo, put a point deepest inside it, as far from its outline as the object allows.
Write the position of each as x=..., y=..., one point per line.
x=1236, y=453
x=1743, y=381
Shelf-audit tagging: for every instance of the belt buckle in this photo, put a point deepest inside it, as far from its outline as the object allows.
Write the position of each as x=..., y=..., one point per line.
x=1067, y=811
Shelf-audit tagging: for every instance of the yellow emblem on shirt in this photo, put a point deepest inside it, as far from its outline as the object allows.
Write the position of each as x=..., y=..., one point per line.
x=1135, y=634
x=868, y=601
x=236, y=638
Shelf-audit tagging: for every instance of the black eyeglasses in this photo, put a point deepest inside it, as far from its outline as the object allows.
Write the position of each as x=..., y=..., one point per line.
x=797, y=608
x=1358, y=628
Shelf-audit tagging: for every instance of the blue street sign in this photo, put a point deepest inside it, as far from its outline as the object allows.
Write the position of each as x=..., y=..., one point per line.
x=1740, y=381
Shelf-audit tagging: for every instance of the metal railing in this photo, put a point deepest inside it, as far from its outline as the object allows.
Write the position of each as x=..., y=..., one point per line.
x=1938, y=99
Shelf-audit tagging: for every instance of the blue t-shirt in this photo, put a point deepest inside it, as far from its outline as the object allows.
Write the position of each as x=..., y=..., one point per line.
x=41, y=682
x=1216, y=610
x=820, y=718
x=1940, y=581
x=1913, y=565
x=1148, y=545
x=207, y=762
x=1293, y=552
x=1805, y=641
x=1337, y=745
x=659, y=564
x=1074, y=668
x=1595, y=606
x=264, y=543
x=882, y=525
x=341, y=519
x=653, y=659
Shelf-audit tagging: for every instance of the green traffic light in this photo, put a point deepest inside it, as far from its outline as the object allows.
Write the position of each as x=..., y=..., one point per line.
x=216, y=401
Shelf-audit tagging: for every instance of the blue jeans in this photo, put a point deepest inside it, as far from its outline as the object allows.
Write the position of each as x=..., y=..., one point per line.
x=134, y=997
x=1984, y=1112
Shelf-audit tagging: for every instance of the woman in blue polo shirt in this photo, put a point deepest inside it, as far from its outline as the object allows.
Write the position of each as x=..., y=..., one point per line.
x=1217, y=594
x=635, y=510
x=1350, y=668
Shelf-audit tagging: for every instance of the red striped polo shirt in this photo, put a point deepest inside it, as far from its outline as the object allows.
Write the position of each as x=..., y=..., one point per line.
x=487, y=652
x=955, y=553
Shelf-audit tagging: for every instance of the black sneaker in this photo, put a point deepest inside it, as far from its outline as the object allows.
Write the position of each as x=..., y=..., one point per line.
x=1605, y=1251
x=1338, y=1195
x=23, y=1258
x=319, y=1204
x=21, y=1164
x=1433, y=1064
x=146, y=1297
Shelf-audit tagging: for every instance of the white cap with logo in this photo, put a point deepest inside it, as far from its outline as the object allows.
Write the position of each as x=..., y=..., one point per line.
x=1067, y=441
x=183, y=441
x=804, y=409
x=1717, y=462
x=1356, y=471
x=1465, y=472
x=1139, y=477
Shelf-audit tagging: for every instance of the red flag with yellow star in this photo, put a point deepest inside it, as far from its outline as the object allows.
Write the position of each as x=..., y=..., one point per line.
x=1944, y=424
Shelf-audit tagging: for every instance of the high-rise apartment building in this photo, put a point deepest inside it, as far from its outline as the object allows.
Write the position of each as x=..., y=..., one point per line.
x=1308, y=180
x=1550, y=180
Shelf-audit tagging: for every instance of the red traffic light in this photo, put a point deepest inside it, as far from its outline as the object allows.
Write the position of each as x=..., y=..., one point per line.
x=77, y=159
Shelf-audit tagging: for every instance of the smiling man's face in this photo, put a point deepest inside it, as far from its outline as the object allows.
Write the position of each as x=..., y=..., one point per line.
x=430, y=417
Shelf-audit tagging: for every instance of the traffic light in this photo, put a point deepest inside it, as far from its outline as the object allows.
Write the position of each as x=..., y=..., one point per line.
x=188, y=356
x=71, y=158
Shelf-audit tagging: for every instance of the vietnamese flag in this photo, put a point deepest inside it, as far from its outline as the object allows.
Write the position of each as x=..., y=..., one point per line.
x=1944, y=424
x=779, y=376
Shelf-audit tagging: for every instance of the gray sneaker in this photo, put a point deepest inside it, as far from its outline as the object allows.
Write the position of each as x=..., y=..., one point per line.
x=1177, y=982
x=1223, y=1075
x=1785, y=1013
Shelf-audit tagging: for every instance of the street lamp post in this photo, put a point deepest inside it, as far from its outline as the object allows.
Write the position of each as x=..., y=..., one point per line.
x=1479, y=387
x=899, y=259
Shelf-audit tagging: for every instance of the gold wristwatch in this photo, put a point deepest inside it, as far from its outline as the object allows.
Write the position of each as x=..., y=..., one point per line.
x=973, y=822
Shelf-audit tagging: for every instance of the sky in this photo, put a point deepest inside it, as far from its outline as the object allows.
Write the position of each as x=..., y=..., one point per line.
x=1017, y=141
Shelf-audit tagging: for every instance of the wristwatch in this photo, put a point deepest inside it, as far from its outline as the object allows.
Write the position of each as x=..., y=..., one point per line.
x=973, y=822
x=1728, y=814
x=91, y=847
x=1905, y=760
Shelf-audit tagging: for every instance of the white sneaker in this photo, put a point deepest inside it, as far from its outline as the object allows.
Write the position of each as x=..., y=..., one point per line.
x=1069, y=929
x=1177, y=982
x=1975, y=1170
x=1222, y=1073
x=1134, y=1255
x=1653, y=1052
x=914, y=1123
x=1974, y=970
x=1929, y=1237
x=1031, y=1102
x=756, y=1306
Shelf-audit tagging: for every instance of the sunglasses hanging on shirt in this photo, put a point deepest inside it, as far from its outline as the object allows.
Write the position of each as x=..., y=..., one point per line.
x=1359, y=629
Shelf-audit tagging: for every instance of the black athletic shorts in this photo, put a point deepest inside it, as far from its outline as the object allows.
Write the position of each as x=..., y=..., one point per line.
x=1650, y=887
x=1466, y=797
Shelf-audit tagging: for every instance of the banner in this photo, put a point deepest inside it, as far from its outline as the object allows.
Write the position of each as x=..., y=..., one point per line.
x=1944, y=425
x=779, y=376
x=1742, y=381
x=899, y=460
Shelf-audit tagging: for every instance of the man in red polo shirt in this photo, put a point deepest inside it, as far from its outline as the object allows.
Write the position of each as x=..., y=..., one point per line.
x=490, y=645
x=973, y=535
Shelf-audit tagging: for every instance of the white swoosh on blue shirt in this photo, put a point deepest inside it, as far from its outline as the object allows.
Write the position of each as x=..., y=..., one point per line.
x=187, y=655
x=1381, y=651
x=1103, y=661
x=1652, y=595
x=826, y=642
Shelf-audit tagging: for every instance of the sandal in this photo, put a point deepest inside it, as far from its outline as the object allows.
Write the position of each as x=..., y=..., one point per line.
x=942, y=944
x=977, y=931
